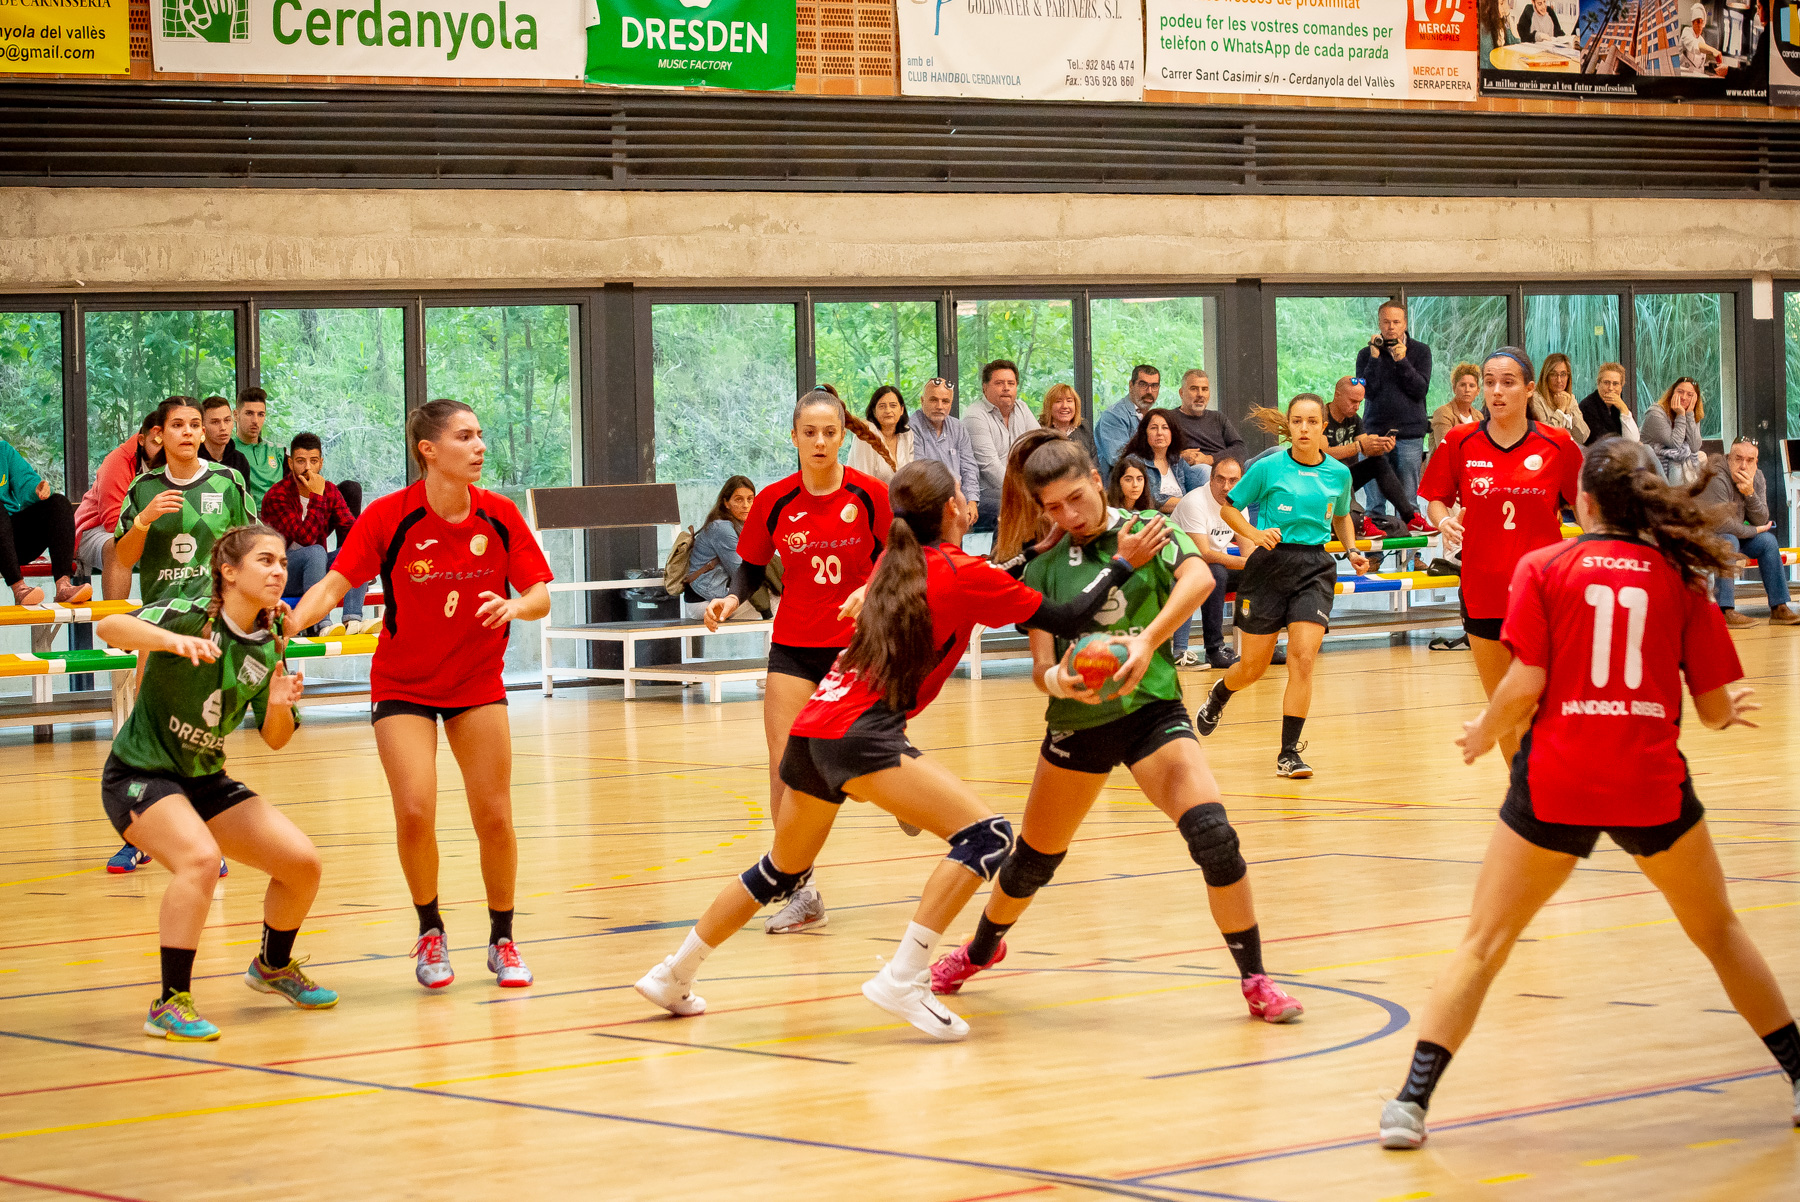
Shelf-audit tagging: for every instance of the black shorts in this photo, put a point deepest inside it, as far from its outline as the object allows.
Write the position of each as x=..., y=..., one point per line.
x=1580, y=840
x=1289, y=582
x=821, y=767
x=127, y=792
x=808, y=663
x=387, y=709
x=1100, y=749
x=1481, y=628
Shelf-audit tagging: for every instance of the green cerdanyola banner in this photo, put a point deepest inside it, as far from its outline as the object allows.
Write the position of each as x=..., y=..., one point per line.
x=746, y=44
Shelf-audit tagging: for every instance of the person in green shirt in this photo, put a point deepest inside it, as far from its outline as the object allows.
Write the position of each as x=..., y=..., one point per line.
x=267, y=460
x=172, y=514
x=1301, y=496
x=1146, y=727
x=206, y=660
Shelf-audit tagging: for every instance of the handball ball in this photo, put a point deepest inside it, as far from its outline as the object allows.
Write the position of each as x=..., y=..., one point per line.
x=1097, y=657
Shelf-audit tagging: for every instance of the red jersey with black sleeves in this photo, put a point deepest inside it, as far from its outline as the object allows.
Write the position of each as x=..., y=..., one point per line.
x=434, y=649
x=1512, y=501
x=828, y=546
x=1614, y=628
x=964, y=591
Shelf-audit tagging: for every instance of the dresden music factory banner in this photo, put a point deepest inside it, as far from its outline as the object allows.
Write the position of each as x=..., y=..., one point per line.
x=1715, y=50
x=1279, y=47
x=747, y=44
x=451, y=39
x=1440, y=50
x=1022, y=49
x=66, y=37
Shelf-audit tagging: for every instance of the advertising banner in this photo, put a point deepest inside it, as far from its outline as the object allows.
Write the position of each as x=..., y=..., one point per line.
x=81, y=37
x=1441, y=50
x=457, y=39
x=1279, y=47
x=749, y=44
x=1626, y=49
x=1022, y=49
x=1784, y=56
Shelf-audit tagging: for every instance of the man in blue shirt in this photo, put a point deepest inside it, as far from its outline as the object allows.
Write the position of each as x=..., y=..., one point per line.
x=1114, y=428
x=937, y=435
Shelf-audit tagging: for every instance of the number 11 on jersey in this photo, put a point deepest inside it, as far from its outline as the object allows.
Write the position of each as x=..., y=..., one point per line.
x=1636, y=604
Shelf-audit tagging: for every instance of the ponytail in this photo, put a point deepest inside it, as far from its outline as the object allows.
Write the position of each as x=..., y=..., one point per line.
x=1622, y=478
x=892, y=646
x=1038, y=457
x=870, y=435
x=1274, y=421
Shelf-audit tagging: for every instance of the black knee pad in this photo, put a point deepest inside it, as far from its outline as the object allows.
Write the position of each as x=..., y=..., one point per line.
x=766, y=883
x=982, y=847
x=1213, y=844
x=1027, y=870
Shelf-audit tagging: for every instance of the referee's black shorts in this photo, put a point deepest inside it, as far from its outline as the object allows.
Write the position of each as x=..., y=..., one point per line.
x=1286, y=583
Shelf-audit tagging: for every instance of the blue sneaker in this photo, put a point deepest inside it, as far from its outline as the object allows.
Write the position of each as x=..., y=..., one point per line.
x=223, y=870
x=291, y=983
x=127, y=859
x=177, y=1020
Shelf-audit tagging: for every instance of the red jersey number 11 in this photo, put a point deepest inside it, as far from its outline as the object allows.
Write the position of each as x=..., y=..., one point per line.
x=1636, y=604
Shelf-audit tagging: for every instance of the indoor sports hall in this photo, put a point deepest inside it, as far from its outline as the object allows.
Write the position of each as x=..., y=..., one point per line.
x=490, y=521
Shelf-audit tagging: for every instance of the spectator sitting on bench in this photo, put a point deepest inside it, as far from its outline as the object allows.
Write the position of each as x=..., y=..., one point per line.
x=98, y=512
x=1737, y=486
x=304, y=508
x=34, y=520
x=216, y=422
x=715, y=556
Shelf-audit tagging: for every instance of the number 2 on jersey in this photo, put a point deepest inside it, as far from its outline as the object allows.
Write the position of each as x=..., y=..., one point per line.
x=1511, y=511
x=827, y=570
x=1636, y=603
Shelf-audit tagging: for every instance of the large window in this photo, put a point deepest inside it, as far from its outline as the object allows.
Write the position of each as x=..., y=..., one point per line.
x=340, y=374
x=1689, y=334
x=1458, y=329
x=861, y=345
x=1791, y=352
x=138, y=358
x=1171, y=334
x=1585, y=328
x=1316, y=341
x=1038, y=335
x=31, y=391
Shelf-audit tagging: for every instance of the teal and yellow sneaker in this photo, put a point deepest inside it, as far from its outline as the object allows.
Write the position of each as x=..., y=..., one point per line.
x=177, y=1020
x=291, y=983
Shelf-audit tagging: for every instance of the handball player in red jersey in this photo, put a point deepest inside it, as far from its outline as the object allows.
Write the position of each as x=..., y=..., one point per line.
x=849, y=740
x=1602, y=630
x=450, y=555
x=1498, y=487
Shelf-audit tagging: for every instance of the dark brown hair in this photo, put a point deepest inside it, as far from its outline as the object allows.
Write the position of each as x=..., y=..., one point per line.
x=900, y=427
x=1038, y=457
x=825, y=395
x=1140, y=441
x=892, y=646
x=253, y=396
x=231, y=548
x=719, y=510
x=1623, y=479
x=1115, y=488
x=427, y=423
x=208, y=404
x=989, y=368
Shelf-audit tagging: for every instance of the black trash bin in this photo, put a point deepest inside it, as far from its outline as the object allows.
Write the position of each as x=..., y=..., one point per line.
x=652, y=603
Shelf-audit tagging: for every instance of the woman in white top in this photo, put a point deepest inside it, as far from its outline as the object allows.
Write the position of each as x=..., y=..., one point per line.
x=1552, y=404
x=886, y=413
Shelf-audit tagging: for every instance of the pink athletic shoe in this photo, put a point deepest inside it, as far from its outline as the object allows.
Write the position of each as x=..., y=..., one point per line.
x=1268, y=1002
x=951, y=970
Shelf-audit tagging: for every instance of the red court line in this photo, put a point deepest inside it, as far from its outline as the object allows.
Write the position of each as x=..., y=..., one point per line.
x=1011, y=1193
x=198, y=1072
x=66, y=1189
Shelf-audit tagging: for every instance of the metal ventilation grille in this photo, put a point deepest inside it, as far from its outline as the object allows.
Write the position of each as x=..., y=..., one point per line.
x=407, y=137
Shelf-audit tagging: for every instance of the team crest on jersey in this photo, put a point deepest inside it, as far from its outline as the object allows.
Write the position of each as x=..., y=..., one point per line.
x=209, y=713
x=1478, y=487
x=1533, y=462
x=848, y=512
x=212, y=502
x=182, y=547
x=796, y=542
x=252, y=672
x=478, y=545
x=419, y=570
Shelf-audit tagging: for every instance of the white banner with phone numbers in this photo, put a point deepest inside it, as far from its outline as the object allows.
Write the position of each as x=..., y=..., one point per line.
x=1022, y=49
x=1278, y=47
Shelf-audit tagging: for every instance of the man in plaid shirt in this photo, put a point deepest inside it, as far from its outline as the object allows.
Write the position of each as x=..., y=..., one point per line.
x=304, y=507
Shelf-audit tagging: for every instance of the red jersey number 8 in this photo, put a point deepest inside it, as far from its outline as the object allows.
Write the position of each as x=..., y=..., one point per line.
x=1636, y=604
x=450, y=604
x=827, y=570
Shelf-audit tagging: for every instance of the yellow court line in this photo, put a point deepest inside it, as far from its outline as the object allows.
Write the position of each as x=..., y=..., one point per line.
x=1605, y=1160
x=1414, y=1197
x=549, y=1068
x=1714, y=1143
x=183, y=1114
x=57, y=876
x=1505, y=1179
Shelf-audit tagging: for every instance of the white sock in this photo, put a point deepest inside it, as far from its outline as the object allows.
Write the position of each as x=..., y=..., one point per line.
x=914, y=954
x=686, y=964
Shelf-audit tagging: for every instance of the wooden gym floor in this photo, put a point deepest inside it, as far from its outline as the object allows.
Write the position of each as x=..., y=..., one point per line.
x=1111, y=1056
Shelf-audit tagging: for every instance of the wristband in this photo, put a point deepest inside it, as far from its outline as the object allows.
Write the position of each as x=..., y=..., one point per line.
x=1053, y=683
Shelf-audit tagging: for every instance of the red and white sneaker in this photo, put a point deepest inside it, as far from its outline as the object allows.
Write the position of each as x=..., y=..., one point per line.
x=433, y=968
x=1418, y=525
x=1268, y=1002
x=504, y=963
x=1370, y=529
x=954, y=968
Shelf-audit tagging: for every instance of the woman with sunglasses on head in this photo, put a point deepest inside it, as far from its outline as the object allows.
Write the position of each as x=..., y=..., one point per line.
x=1497, y=489
x=827, y=522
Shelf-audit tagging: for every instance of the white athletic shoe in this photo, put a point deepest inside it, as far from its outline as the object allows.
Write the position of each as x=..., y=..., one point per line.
x=1402, y=1125
x=507, y=967
x=804, y=911
x=433, y=968
x=660, y=986
x=915, y=1003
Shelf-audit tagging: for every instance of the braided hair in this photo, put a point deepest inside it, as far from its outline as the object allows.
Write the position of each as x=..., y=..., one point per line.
x=231, y=548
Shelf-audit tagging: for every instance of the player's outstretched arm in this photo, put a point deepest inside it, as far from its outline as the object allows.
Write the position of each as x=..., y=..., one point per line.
x=1725, y=707
x=319, y=601
x=127, y=633
x=1510, y=708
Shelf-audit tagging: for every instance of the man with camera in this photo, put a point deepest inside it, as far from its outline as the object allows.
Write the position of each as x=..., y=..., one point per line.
x=1396, y=372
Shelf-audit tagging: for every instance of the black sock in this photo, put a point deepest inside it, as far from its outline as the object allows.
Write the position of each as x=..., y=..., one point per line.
x=429, y=918
x=988, y=935
x=1785, y=1045
x=1246, y=949
x=277, y=946
x=1429, y=1062
x=499, y=925
x=177, y=972
x=1290, y=731
x=1219, y=695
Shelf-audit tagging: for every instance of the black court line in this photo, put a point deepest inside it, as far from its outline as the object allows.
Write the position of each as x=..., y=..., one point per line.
x=715, y=1047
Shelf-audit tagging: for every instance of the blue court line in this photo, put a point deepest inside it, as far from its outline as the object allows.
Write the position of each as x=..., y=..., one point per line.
x=1105, y=1185
x=1397, y=1018
x=1365, y=1141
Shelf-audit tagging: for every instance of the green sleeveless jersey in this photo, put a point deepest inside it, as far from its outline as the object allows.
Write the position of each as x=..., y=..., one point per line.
x=177, y=559
x=184, y=711
x=1061, y=574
